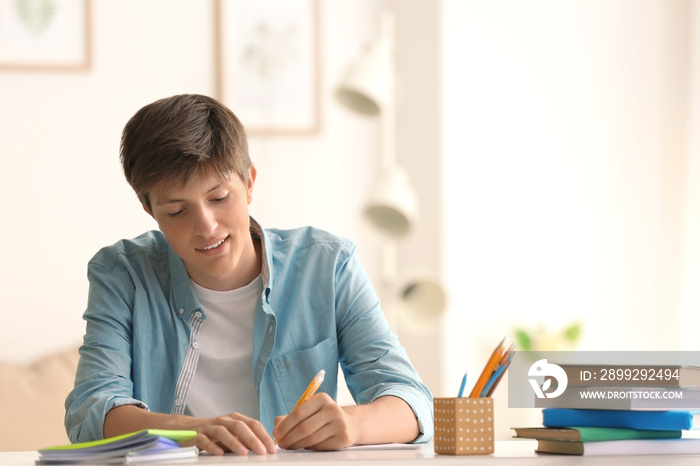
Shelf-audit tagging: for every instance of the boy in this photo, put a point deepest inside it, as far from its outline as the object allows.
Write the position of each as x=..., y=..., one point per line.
x=216, y=325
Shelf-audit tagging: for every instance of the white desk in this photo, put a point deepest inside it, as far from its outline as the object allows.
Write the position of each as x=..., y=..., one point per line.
x=516, y=452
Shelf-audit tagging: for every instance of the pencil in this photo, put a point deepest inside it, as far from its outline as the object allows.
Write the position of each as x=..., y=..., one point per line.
x=311, y=389
x=498, y=380
x=510, y=352
x=461, y=387
x=488, y=370
x=495, y=376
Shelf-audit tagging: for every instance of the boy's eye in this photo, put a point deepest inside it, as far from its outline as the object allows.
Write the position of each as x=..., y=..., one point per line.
x=174, y=214
x=220, y=199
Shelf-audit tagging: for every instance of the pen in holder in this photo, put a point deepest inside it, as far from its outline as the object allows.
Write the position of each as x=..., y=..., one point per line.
x=463, y=426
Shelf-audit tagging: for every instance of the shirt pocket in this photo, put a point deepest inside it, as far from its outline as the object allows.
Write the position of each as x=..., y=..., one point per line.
x=294, y=371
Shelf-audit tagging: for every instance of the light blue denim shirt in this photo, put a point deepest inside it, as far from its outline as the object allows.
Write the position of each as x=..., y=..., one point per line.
x=317, y=309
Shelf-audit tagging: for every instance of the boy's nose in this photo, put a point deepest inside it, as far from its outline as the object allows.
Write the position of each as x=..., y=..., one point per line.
x=205, y=223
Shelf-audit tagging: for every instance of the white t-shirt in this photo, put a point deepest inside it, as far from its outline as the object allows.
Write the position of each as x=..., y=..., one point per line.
x=223, y=382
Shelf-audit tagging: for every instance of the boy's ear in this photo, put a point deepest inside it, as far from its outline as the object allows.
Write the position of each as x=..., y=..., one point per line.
x=146, y=209
x=252, y=174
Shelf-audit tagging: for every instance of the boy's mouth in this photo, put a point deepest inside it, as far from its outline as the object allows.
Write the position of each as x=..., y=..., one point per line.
x=214, y=246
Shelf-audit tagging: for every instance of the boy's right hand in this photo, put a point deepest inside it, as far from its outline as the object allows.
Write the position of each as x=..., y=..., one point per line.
x=234, y=433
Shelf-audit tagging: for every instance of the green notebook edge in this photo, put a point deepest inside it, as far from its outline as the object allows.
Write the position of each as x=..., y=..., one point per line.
x=175, y=435
x=599, y=434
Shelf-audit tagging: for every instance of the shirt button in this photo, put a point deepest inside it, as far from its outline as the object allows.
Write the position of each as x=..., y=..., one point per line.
x=195, y=345
x=181, y=311
x=198, y=314
x=178, y=402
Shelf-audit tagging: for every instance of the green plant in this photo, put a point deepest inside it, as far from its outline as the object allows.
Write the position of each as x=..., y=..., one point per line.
x=542, y=339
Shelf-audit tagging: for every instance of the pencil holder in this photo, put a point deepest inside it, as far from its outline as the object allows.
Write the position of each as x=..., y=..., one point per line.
x=463, y=426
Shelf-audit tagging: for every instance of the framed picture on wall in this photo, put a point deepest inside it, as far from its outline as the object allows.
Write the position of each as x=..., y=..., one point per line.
x=45, y=34
x=268, y=64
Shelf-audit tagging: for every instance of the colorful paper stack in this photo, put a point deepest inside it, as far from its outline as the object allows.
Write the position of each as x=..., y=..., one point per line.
x=144, y=446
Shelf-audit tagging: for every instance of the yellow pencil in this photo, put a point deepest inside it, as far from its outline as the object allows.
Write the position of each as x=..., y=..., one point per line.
x=311, y=389
x=488, y=370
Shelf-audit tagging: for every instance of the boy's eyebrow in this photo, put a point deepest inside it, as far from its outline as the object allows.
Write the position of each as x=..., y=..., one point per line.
x=175, y=201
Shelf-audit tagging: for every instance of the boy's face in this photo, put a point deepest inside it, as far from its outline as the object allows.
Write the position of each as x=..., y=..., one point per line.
x=206, y=223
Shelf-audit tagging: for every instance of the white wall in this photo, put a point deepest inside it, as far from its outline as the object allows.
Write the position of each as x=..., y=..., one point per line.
x=691, y=226
x=566, y=134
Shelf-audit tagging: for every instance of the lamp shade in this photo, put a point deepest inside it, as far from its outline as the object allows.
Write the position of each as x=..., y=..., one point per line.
x=421, y=302
x=391, y=208
x=368, y=86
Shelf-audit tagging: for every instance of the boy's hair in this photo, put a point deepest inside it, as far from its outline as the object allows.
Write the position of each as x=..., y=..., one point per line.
x=176, y=138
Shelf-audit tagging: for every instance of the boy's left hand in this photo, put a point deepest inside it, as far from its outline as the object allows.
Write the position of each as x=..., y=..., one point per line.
x=318, y=424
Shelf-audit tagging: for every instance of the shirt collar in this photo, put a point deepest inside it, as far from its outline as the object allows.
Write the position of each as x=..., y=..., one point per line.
x=183, y=294
x=256, y=231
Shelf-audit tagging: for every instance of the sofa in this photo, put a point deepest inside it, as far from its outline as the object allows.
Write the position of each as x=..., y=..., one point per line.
x=31, y=400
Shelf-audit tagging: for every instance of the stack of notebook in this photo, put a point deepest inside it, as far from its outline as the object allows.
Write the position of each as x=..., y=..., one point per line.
x=608, y=432
x=144, y=446
x=629, y=423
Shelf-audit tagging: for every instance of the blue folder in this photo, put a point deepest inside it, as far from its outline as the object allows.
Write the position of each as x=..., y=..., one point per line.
x=650, y=420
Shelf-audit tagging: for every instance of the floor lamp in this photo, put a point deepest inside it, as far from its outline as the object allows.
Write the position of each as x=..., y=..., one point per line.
x=391, y=209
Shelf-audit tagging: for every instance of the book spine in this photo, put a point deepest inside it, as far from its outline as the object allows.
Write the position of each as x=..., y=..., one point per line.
x=649, y=420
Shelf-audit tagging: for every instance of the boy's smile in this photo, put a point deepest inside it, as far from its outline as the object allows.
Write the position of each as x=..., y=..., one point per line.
x=214, y=246
x=207, y=224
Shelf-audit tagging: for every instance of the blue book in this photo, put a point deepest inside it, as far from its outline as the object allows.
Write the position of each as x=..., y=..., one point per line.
x=649, y=420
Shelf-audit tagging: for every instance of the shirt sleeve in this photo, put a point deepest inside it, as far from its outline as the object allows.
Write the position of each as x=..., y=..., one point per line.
x=103, y=378
x=373, y=361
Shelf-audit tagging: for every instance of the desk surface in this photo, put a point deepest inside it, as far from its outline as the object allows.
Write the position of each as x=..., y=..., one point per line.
x=520, y=452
